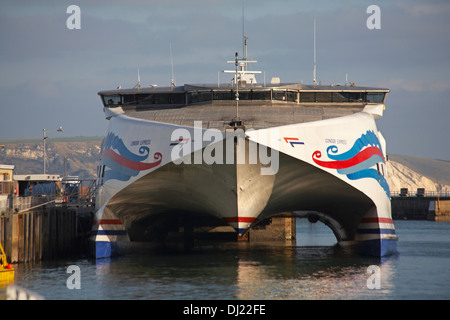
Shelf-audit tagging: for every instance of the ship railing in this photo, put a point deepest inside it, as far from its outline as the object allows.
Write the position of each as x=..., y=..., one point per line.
x=434, y=194
x=83, y=195
x=25, y=203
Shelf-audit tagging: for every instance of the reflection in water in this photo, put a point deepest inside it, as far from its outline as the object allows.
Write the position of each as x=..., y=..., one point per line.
x=315, y=269
x=310, y=273
x=314, y=234
x=241, y=271
x=216, y=271
x=264, y=271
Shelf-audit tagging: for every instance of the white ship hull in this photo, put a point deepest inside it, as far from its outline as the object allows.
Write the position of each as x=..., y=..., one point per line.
x=332, y=169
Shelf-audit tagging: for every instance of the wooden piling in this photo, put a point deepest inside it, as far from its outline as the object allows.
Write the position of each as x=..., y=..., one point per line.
x=39, y=234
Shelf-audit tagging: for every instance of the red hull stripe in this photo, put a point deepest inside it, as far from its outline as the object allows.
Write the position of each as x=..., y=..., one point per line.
x=107, y=221
x=239, y=219
x=377, y=220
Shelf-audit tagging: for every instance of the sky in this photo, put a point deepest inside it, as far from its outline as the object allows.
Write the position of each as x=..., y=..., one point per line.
x=50, y=75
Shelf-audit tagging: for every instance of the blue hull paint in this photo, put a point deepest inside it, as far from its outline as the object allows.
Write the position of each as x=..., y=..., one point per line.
x=374, y=248
x=103, y=249
x=378, y=247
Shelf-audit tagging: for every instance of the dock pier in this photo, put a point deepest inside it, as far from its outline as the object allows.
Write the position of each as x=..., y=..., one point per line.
x=49, y=231
x=421, y=206
x=59, y=230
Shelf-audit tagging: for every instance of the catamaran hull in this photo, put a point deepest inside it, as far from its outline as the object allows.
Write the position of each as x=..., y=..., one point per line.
x=154, y=174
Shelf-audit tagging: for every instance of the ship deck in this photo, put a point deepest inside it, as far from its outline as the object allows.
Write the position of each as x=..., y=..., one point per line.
x=258, y=106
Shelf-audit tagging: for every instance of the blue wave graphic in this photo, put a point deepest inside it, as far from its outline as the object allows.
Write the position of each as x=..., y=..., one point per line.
x=118, y=171
x=371, y=173
x=116, y=167
x=361, y=170
x=114, y=142
x=110, y=174
x=367, y=139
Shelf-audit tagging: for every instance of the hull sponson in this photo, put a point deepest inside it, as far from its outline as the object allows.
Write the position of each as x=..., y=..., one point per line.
x=107, y=232
x=335, y=167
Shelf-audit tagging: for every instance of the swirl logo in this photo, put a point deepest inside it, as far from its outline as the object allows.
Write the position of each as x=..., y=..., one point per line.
x=123, y=164
x=356, y=163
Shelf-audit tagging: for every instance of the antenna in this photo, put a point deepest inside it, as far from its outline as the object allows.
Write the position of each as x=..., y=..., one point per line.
x=237, y=86
x=243, y=75
x=243, y=34
x=172, y=82
x=138, y=85
x=314, y=70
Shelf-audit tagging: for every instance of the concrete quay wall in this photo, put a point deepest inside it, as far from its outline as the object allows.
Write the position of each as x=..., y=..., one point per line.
x=42, y=234
x=420, y=208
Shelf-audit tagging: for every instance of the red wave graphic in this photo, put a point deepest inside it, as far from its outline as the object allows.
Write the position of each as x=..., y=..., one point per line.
x=135, y=165
x=358, y=158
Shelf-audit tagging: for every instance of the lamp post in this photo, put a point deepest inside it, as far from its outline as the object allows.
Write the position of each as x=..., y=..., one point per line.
x=44, y=137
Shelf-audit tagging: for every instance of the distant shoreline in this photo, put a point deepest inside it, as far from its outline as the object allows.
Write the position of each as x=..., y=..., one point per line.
x=53, y=139
x=438, y=171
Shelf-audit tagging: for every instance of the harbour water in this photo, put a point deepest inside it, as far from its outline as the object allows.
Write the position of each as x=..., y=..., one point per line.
x=312, y=269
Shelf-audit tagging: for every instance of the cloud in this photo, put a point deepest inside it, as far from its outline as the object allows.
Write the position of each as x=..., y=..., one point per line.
x=415, y=85
x=42, y=89
x=45, y=64
x=425, y=9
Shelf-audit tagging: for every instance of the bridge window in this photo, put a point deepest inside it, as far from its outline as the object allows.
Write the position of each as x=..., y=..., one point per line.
x=144, y=99
x=177, y=98
x=199, y=96
x=279, y=95
x=261, y=94
x=162, y=98
x=129, y=99
x=323, y=97
x=375, y=97
x=339, y=97
x=307, y=97
x=291, y=96
x=192, y=97
x=245, y=95
x=223, y=95
x=354, y=96
x=112, y=100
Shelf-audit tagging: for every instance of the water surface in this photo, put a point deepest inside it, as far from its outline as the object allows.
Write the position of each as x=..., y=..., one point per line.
x=312, y=269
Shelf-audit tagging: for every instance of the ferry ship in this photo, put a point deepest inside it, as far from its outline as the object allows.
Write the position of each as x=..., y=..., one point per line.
x=240, y=153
